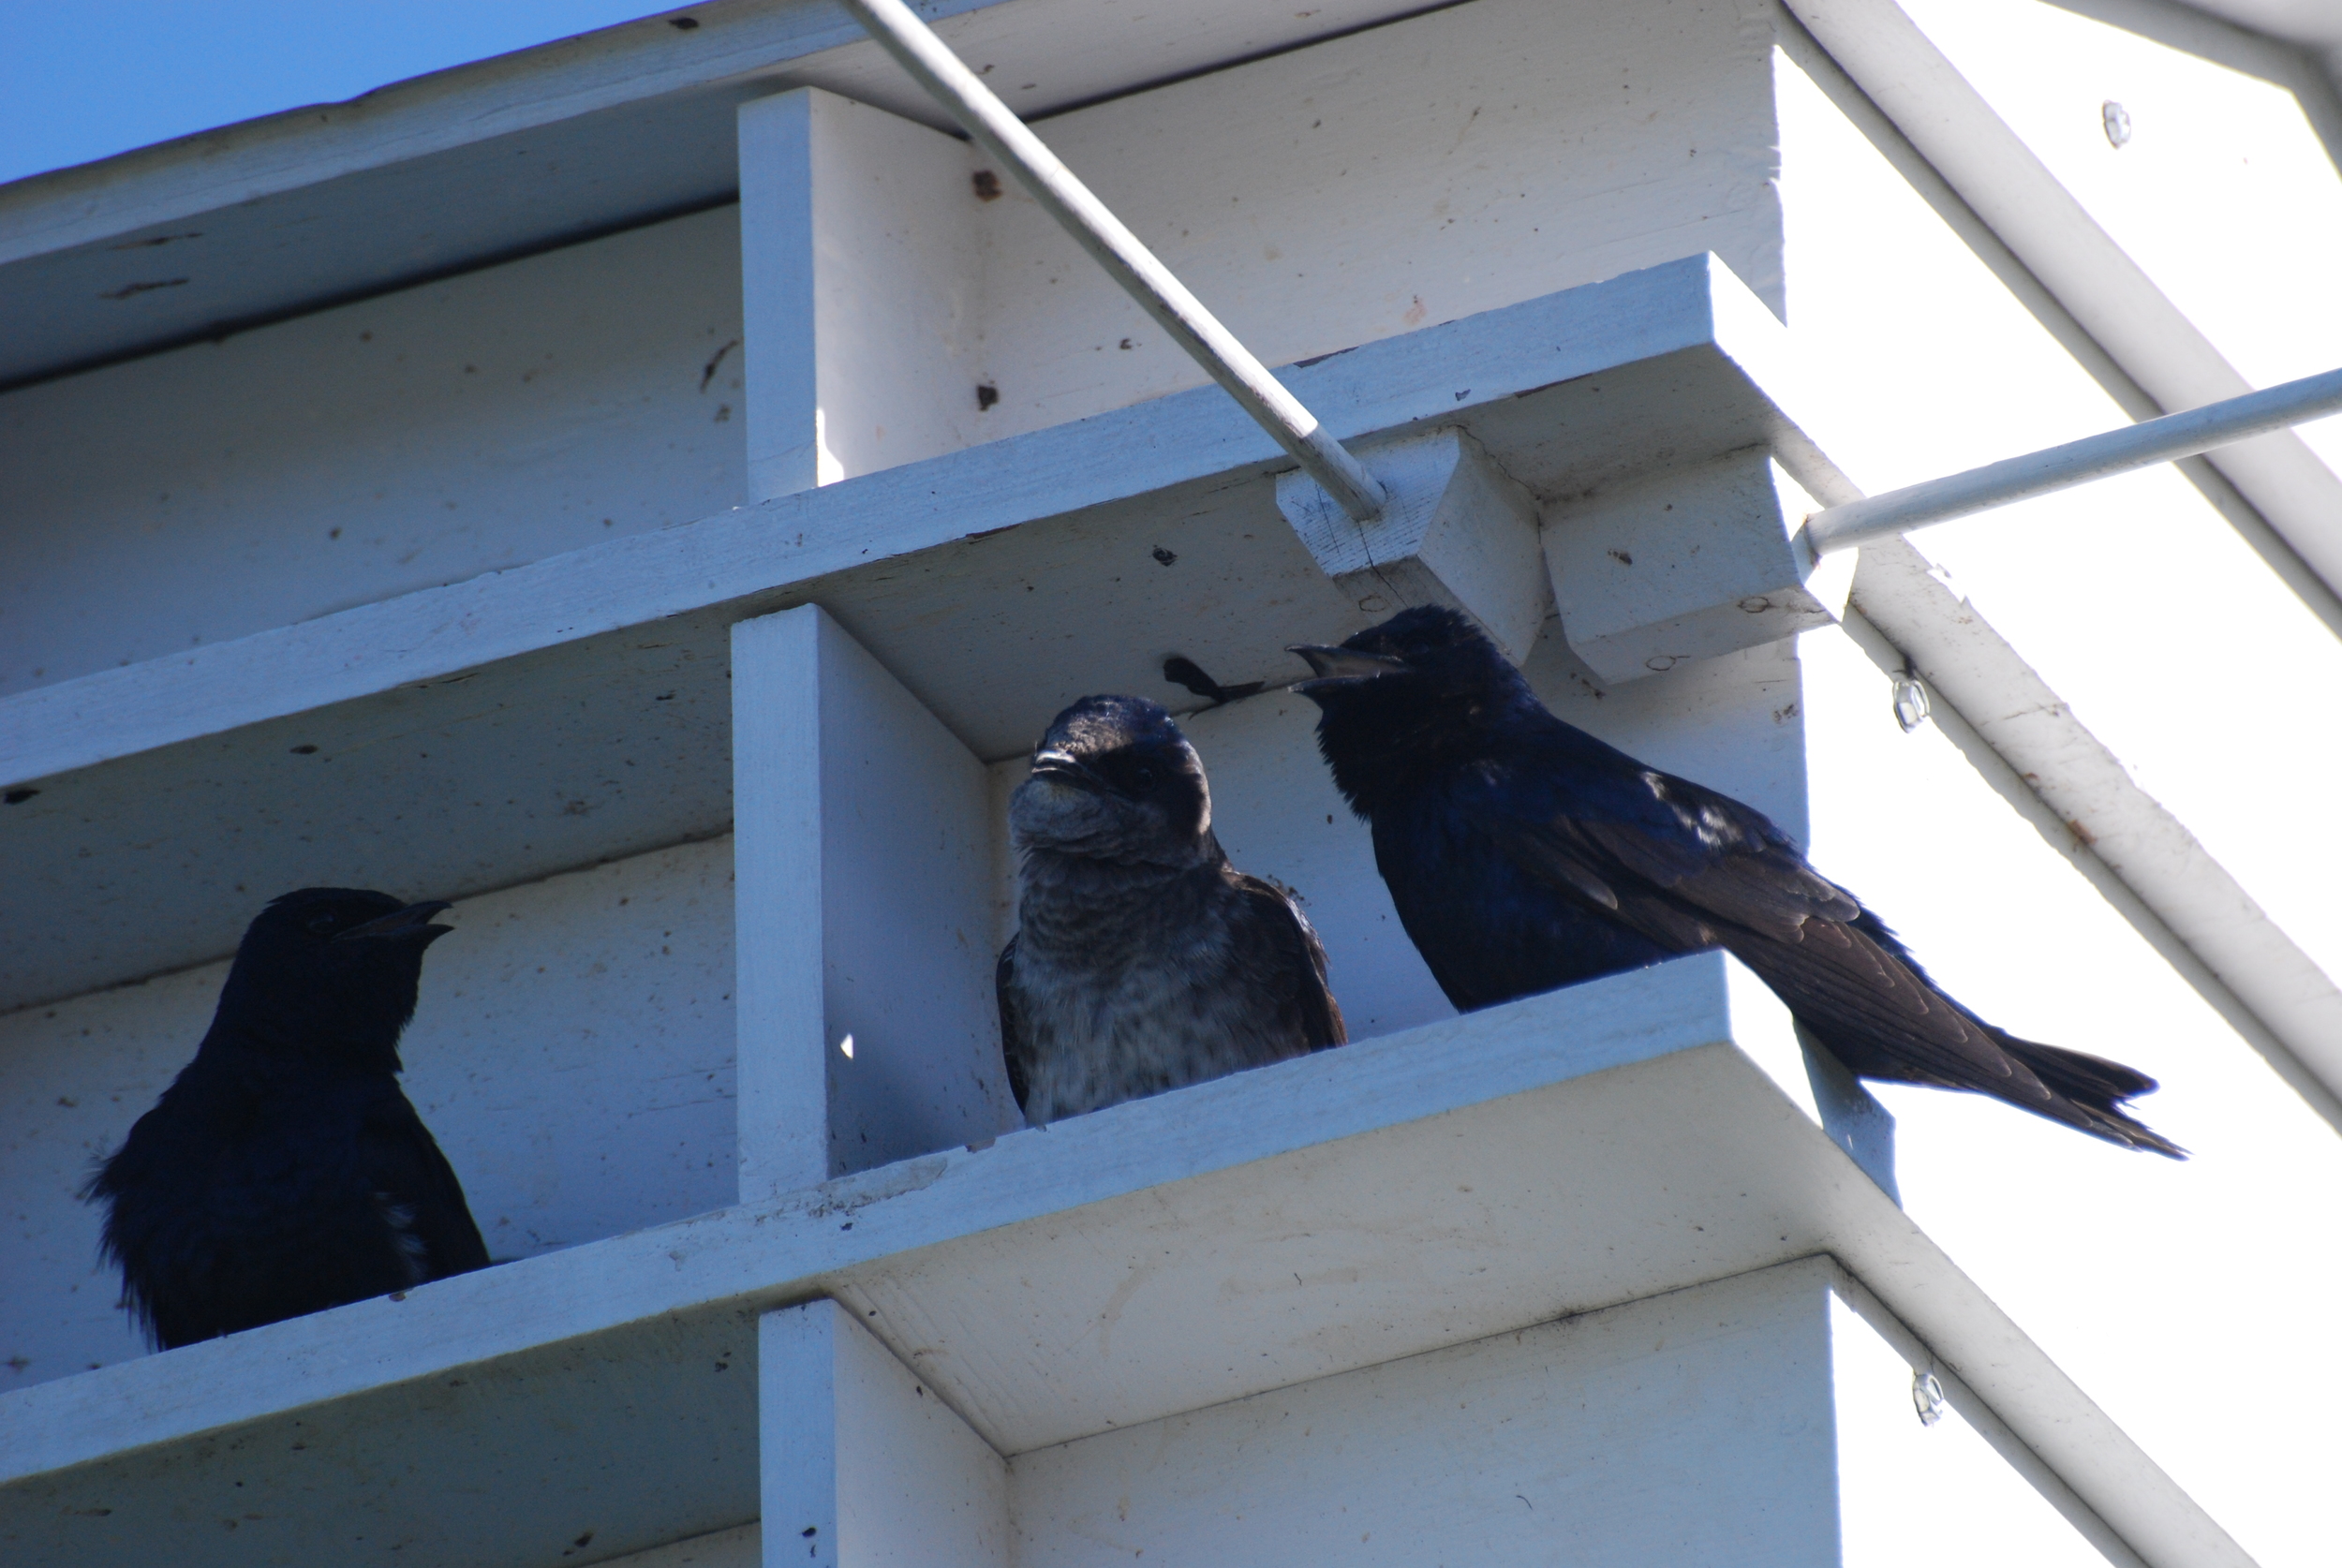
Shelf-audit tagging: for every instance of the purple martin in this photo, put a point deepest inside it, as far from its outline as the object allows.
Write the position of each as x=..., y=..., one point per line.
x=284, y=1171
x=1142, y=960
x=1523, y=855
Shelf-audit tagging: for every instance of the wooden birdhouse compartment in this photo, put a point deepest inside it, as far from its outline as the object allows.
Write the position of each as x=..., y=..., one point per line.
x=683, y=602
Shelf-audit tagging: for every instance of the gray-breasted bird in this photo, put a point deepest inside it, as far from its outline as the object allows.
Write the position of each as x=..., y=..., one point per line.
x=1142, y=960
x=284, y=1171
x=1522, y=853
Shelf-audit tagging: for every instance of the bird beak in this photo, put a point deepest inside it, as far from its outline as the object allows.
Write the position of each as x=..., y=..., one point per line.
x=414, y=920
x=1063, y=768
x=1337, y=668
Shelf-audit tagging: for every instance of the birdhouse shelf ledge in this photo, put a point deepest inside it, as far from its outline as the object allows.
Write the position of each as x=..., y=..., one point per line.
x=1601, y=1144
x=574, y=710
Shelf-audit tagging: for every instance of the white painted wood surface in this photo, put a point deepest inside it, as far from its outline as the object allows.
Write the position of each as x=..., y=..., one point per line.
x=906, y=921
x=2022, y=734
x=464, y=427
x=2141, y=331
x=778, y=846
x=1690, y=1429
x=1456, y=530
x=573, y=1053
x=627, y=125
x=1894, y=1471
x=1615, y=1146
x=1723, y=357
x=864, y=1466
x=2090, y=808
x=1419, y=172
x=1694, y=562
x=577, y=708
x=865, y=913
x=1121, y=1268
x=861, y=273
x=1107, y=240
x=741, y=1547
x=933, y=291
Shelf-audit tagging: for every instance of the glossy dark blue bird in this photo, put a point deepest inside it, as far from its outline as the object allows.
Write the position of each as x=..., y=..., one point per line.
x=1143, y=961
x=284, y=1171
x=1522, y=853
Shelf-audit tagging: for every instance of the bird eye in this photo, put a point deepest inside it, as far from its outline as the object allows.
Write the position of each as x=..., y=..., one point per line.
x=321, y=924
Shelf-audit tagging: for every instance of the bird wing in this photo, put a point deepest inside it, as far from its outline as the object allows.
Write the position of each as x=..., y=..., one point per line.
x=1012, y=1026
x=418, y=1190
x=1692, y=868
x=1301, y=960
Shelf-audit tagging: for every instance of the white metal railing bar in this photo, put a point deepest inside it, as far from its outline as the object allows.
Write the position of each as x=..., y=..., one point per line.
x=2093, y=457
x=998, y=131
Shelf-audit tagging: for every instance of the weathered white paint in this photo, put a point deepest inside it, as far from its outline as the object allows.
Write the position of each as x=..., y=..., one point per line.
x=1604, y=408
x=866, y=912
x=597, y=356
x=584, y=135
x=573, y=1049
x=577, y=708
x=2127, y=317
x=741, y=1547
x=2099, y=817
x=1689, y=564
x=1758, y=1418
x=1456, y=530
x=572, y=1054
x=1691, y=1428
x=2164, y=439
x=1417, y=172
x=859, y=276
x=1116, y=1269
x=427, y=436
x=1646, y=1134
x=2020, y=732
x=778, y=846
x=1895, y=1473
x=870, y=256
x=1007, y=141
x=864, y=1466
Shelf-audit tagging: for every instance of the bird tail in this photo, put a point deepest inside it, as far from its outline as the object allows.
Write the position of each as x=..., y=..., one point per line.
x=2089, y=1092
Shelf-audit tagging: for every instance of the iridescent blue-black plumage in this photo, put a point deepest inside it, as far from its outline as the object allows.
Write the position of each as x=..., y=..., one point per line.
x=1522, y=853
x=284, y=1171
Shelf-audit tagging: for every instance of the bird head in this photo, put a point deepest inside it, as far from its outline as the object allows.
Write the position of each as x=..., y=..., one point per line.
x=331, y=972
x=1417, y=691
x=1113, y=779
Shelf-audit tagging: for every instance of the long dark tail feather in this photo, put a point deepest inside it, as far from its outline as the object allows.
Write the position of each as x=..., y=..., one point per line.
x=2093, y=1086
x=2088, y=1090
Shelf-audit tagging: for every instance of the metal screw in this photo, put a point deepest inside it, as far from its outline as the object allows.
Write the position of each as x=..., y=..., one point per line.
x=1911, y=706
x=1927, y=1397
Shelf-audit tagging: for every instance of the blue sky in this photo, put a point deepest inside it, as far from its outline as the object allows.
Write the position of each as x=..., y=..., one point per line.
x=92, y=78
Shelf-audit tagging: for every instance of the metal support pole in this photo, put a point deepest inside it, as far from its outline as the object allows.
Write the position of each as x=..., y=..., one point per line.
x=2093, y=457
x=1130, y=263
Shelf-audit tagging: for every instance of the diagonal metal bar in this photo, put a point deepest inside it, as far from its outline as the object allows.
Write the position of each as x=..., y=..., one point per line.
x=1143, y=277
x=2093, y=457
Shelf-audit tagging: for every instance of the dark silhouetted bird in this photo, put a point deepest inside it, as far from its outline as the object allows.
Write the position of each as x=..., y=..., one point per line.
x=284, y=1171
x=1142, y=960
x=1523, y=855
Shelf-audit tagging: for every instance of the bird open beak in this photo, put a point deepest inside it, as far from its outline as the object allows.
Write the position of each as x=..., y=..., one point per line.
x=412, y=921
x=1341, y=667
x=1063, y=768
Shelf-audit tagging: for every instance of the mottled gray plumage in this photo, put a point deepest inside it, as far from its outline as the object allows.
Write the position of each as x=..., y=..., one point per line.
x=1142, y=960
